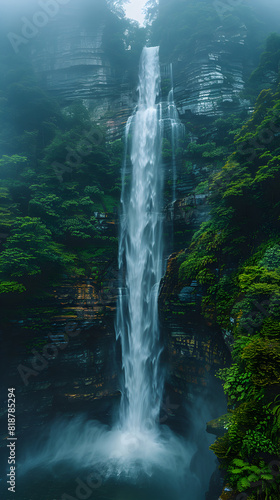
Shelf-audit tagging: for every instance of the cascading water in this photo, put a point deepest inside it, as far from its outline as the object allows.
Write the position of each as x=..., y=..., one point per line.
x=136, y=450
x=173, y=130
x=177, y=130
x=140, y=255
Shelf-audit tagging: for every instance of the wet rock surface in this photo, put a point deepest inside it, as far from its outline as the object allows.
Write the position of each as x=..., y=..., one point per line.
x=71, y=61
x=196, y=349
x=209, y=82
x=63, y=359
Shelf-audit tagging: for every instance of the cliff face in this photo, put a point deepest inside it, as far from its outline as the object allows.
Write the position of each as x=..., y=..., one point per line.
x=208, y=83
x=61, y=357
x=210, y=80
x=73, y=62
x=196, y=349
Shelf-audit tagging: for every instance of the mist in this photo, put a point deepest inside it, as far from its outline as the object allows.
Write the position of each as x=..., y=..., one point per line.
x=139, y=248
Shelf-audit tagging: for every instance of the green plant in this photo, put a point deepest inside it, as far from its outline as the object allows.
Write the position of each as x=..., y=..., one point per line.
x=244, y=475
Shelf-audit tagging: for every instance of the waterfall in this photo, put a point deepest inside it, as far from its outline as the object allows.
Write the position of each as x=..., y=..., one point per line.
x=135, y=449
x=140, y=254
x=177, y=130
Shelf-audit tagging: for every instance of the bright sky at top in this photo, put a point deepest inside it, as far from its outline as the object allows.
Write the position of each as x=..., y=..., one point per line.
x=133, y=10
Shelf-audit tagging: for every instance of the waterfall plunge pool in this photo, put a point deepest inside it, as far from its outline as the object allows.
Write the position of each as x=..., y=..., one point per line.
x=82, y=459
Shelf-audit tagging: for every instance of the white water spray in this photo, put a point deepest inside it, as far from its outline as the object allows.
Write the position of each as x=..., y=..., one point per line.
x=140, y=255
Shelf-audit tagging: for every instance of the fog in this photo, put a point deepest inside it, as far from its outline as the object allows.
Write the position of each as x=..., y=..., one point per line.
x=16, y=13
x=11, y=10
x=48, y=131
x=268, y=11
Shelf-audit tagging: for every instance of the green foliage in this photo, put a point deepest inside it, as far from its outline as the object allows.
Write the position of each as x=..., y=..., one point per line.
x=274, y=408
x=269, y=62
x=237, y=382
x=259, y=280
x=262, y=358
x=271, y=258
x=207, y=150
x=202, y=188
x=270, y=328
x=235, y=257
x=48, y=214
x=80, y=228
x=226, y=292
x=55, y=222
x=243, y=475
x=29, y=250
x=7, y=287
x=256, y=441
x=10, y=165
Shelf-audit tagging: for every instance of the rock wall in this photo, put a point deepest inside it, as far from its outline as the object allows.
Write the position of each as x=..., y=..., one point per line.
x=209, y=80
x=72, y=63
x=61, y=355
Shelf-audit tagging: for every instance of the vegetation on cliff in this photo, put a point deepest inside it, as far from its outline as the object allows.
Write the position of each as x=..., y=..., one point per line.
x=59, y=186
x=59, y=175
x=235, y=257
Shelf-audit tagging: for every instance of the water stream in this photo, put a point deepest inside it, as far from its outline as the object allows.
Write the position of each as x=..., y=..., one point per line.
x=177, y=130
x=140, y=255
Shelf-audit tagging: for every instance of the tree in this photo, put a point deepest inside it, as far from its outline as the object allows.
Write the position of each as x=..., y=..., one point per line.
x=30, y=250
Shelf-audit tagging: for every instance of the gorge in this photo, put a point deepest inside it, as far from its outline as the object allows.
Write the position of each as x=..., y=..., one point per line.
x=120, y=368
x=136, y=447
